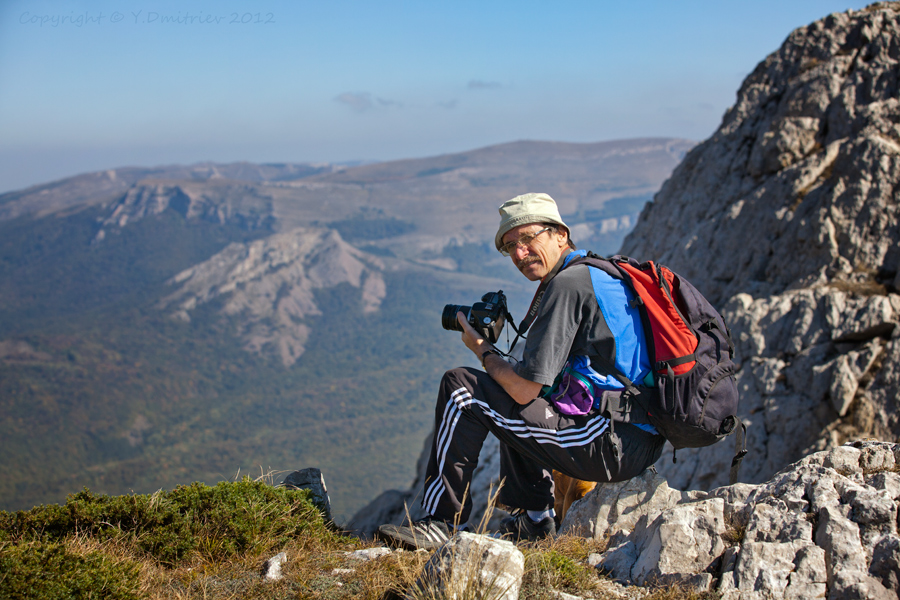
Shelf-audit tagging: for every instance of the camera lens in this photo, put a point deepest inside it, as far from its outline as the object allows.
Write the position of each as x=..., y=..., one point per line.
x=448, y=317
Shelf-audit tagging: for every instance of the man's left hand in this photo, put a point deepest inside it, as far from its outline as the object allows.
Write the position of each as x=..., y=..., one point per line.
x=473, y=341
x=520, y=389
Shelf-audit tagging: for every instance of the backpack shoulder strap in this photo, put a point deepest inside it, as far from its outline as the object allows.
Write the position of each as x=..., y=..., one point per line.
x=595, y=260
x=632, y=404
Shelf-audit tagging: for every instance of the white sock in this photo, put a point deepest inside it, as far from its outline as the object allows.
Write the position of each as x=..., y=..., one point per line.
x=539, y=515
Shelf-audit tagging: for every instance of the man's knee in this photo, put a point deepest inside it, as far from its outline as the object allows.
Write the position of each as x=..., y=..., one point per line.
x=452, y=381
x=477, y=385
x=639, y=450
x=460, y=377
x=457, y=375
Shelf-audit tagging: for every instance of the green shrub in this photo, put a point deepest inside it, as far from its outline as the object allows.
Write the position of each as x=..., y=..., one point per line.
x=220, y=521
x=50, y=571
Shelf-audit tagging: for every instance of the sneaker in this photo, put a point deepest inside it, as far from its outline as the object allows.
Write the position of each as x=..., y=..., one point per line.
x=428, y=534
x=520, y=528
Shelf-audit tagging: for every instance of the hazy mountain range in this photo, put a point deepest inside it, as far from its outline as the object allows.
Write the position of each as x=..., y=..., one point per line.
x=163, y=325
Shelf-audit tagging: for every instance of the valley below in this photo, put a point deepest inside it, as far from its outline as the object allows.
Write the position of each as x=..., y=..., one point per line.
x=198, y=323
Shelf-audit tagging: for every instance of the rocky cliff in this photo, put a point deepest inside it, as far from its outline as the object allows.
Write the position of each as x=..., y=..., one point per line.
x=787, y=218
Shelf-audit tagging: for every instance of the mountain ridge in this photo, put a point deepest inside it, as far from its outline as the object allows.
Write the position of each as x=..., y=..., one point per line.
x=283, y=362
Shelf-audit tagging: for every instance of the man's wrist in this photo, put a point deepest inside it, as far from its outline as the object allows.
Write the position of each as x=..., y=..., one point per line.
x=485, y=354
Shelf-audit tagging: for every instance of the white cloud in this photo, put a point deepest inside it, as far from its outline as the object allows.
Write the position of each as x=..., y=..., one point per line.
x=477, y=84
x=364, y=101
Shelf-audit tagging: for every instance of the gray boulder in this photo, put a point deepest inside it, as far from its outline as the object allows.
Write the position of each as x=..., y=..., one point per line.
x=311, y=479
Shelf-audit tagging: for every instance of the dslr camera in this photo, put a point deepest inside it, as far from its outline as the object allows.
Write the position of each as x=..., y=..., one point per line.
x=485, y=317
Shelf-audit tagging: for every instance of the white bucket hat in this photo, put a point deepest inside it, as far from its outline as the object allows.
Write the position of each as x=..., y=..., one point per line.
x=524, y=209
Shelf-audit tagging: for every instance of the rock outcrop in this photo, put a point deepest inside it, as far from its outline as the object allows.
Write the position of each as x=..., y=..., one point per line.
x=217, y=202
x=311, y=479
x=271, y=283
x=787, y=219
x=826, y=526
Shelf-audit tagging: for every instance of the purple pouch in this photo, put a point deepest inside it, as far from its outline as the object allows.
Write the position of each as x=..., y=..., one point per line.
x=574, y=396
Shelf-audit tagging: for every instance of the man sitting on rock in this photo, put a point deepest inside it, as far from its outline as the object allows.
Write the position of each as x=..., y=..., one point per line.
x=507, y=399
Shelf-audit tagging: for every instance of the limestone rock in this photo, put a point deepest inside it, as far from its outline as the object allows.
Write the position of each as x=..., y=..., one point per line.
x=613, y=508
x=788, y=219
x=271, y=569
x=767, y=569
x=367, y=554
x=685, y=539
x=474, y=566
x=886, y=562
x=815, y=530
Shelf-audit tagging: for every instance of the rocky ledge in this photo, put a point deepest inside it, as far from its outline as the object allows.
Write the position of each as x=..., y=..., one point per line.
x=825, y=527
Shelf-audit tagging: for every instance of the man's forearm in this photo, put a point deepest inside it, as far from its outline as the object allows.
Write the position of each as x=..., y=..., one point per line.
x=522, y=390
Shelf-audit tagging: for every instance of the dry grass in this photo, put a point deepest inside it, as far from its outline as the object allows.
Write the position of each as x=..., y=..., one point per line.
x=105, y=559
x=309, y=572
x=734, y=535
x=560, y=563
x=677, y=592
x=864, y=281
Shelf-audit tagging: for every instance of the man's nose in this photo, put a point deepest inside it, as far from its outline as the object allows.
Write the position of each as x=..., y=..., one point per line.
x=520, y=252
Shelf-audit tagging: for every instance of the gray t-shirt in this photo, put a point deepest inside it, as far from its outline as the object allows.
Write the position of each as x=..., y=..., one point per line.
x=568, y=322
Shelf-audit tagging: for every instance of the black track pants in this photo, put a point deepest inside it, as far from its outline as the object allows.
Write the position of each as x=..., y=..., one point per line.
x=534, y=438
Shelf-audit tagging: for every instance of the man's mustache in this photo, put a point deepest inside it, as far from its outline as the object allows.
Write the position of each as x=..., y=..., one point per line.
x=527, y=261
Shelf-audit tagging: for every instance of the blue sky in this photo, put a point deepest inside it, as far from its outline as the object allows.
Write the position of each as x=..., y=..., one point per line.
x=88, y=85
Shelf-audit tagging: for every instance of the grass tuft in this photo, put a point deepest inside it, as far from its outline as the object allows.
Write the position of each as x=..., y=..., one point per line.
x=560, y=564
x=734, y=535
x=679, y=592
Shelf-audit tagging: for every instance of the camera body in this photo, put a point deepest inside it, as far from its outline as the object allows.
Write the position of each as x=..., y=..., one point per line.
x=485, y=317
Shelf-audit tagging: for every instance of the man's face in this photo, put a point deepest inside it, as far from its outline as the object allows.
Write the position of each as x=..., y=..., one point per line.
x=536, y=259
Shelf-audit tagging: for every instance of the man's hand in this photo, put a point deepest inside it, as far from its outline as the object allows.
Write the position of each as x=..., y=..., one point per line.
x=470, y=337
x=522, y=390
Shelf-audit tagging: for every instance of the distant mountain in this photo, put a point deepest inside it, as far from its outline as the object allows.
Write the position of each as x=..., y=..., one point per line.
x=163, y=325
x=103, y=186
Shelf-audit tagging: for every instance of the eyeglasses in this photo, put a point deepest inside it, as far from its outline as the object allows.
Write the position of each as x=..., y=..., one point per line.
x=526, y=240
